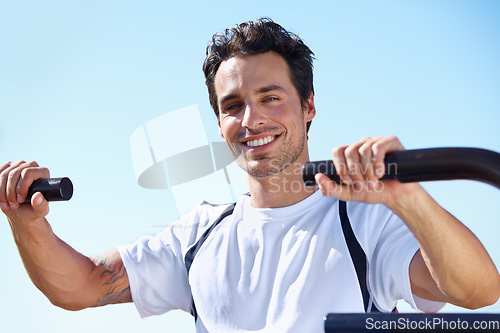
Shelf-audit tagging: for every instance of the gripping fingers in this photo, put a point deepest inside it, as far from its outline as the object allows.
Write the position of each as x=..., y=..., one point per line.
x=4, y=205
x=372, y=159
x=12, y=182
x=28, y=175
x=7, y=177
x=331, y=189
x=380, y=148
x=366, y=160
x=340, y=164
x=15, y=179
x=354, y=161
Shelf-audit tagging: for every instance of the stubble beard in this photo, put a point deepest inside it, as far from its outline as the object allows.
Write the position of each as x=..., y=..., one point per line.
x=268, y=165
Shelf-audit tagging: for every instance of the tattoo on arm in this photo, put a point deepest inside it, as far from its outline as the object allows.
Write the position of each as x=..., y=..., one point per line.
x=113, y=280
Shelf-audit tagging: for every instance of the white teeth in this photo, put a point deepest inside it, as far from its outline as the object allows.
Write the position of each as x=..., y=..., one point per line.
x=260, y=142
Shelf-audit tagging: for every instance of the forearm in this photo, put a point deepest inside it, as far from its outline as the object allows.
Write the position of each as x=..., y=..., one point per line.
x=458, y=263
x=68, y=278
x=60, y=272
x=452, y=265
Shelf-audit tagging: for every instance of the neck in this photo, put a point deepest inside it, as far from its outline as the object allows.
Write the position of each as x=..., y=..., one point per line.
x=279, y=190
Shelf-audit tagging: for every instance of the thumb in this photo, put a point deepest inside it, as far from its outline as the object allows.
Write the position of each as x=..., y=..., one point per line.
x=331, y=189
x=40, y=205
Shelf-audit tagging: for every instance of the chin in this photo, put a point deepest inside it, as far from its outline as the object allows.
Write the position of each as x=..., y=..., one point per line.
x=261, y=168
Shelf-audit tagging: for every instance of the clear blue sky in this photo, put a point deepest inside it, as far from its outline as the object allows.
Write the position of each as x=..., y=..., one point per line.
x=77, y=78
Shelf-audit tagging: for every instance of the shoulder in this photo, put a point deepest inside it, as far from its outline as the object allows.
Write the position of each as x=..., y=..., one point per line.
x=360, y=212
x=189, y=227
x=373, y=223
x=205, y=213
x=179, y=235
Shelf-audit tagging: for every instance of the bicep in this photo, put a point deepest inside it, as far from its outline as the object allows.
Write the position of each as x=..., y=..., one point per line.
x=110, y=278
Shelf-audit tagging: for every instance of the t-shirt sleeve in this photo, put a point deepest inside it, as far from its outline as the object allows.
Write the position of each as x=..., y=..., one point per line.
x=389, y=259
x=155, y=264
x=156, y=273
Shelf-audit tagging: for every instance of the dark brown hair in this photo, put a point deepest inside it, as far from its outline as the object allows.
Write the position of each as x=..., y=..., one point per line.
x=255, y=37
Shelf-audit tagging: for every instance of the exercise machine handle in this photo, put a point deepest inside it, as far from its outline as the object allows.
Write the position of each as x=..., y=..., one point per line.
x=420, y=165
x=53, y=189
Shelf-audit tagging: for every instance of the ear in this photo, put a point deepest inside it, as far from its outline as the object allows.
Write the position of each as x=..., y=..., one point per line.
x=310, y=110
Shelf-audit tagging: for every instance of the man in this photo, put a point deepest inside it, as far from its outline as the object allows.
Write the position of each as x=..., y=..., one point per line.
x=278, y=260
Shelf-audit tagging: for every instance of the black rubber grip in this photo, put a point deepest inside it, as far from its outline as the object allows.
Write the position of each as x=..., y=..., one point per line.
x=419, y=165
x=53, y=189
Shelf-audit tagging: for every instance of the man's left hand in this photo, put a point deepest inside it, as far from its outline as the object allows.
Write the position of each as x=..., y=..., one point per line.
x=360, y=166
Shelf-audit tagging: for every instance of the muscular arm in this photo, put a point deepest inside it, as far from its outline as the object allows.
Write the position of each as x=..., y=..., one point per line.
x=68, y=278
x=452, y=265
x=112, y=279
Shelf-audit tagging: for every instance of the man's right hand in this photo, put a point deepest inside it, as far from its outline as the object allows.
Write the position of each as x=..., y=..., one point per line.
x=15, y=180
x=68, y=278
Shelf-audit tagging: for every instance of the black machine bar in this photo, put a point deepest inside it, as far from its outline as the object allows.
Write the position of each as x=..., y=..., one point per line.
x=420, y=165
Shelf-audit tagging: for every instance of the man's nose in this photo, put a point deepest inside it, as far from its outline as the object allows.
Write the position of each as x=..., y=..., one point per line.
x=253, y=116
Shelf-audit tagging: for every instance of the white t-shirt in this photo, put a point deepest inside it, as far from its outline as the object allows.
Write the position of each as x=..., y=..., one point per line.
x=272, y=270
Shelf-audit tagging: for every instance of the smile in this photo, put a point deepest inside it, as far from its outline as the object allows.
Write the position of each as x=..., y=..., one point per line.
x=260, y=142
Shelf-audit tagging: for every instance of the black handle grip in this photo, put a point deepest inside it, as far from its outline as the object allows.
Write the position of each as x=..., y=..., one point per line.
x=430, y=164
x=53, y=189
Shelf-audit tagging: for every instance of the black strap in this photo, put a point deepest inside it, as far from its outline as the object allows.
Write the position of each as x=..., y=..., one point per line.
x=358, y=257
x=191, y=253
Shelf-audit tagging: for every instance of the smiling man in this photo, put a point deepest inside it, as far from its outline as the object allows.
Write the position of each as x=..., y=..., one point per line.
x=262, y=119
x=281, y=258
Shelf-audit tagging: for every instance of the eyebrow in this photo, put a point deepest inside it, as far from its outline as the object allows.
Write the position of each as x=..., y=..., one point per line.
x=263, y=90
x=272, y=87
x=227, y=98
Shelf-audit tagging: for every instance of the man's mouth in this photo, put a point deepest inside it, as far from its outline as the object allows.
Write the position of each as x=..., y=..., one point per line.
x=261, y=141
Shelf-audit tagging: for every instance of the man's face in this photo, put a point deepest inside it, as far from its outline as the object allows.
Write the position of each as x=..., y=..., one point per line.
x=260, y=114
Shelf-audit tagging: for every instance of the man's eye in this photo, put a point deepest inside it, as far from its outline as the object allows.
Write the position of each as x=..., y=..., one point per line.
x=269, y=99
x=232, y=107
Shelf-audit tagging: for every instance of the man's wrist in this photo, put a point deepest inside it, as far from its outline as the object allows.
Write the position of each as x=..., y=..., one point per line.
x=407, y=202
x=32, y=230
